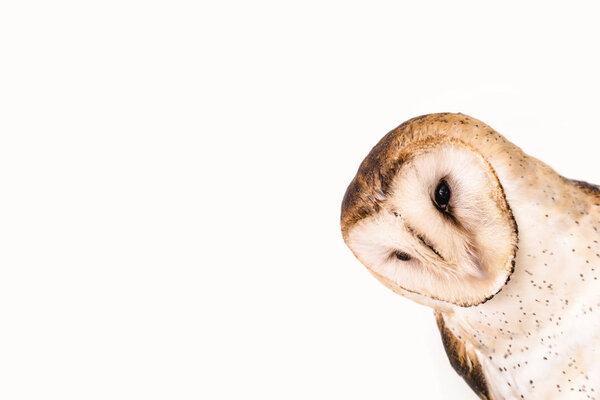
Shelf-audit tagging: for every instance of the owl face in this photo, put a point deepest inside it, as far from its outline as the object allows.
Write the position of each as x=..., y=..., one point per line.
x=430, y=220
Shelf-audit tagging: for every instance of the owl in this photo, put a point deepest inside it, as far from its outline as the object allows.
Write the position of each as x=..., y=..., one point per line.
x=448, y=213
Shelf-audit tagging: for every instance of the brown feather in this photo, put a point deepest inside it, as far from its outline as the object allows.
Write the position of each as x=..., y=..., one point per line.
x=464, y=362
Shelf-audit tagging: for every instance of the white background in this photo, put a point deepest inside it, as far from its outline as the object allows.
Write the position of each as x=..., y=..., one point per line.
x=171, y=176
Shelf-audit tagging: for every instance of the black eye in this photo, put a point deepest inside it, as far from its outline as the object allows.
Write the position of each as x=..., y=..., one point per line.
x=402, y=256
x=442, y=195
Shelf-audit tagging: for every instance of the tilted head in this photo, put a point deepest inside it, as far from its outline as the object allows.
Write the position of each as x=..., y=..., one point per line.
x=427, y=214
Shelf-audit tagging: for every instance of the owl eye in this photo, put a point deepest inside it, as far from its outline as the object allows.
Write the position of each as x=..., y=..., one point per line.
x=402, y=256
x=442, y=195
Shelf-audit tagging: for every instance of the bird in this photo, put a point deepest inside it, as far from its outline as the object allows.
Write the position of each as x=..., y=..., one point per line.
x=448, y=213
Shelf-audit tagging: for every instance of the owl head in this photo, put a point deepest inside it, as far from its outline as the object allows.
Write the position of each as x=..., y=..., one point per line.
x=427, y=214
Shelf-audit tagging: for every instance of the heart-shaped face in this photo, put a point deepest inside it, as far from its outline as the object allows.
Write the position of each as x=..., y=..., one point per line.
x=430, y=220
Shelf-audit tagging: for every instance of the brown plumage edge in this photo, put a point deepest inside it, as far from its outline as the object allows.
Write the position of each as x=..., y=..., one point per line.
x=465, y=363
x=588, y=188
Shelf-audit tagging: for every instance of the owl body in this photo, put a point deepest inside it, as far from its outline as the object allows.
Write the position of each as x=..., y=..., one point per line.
x=510, y=264
x=539, y=337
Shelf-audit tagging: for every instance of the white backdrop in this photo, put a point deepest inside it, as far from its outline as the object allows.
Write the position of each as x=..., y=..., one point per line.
x=172, y=172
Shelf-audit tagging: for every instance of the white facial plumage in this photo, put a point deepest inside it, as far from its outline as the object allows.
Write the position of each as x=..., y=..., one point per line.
x=450, y=255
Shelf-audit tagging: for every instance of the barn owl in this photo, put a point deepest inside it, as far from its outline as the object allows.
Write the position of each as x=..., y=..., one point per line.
x=448, y=213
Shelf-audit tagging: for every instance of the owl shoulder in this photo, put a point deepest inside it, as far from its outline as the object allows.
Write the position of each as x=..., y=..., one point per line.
x=588, y=188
